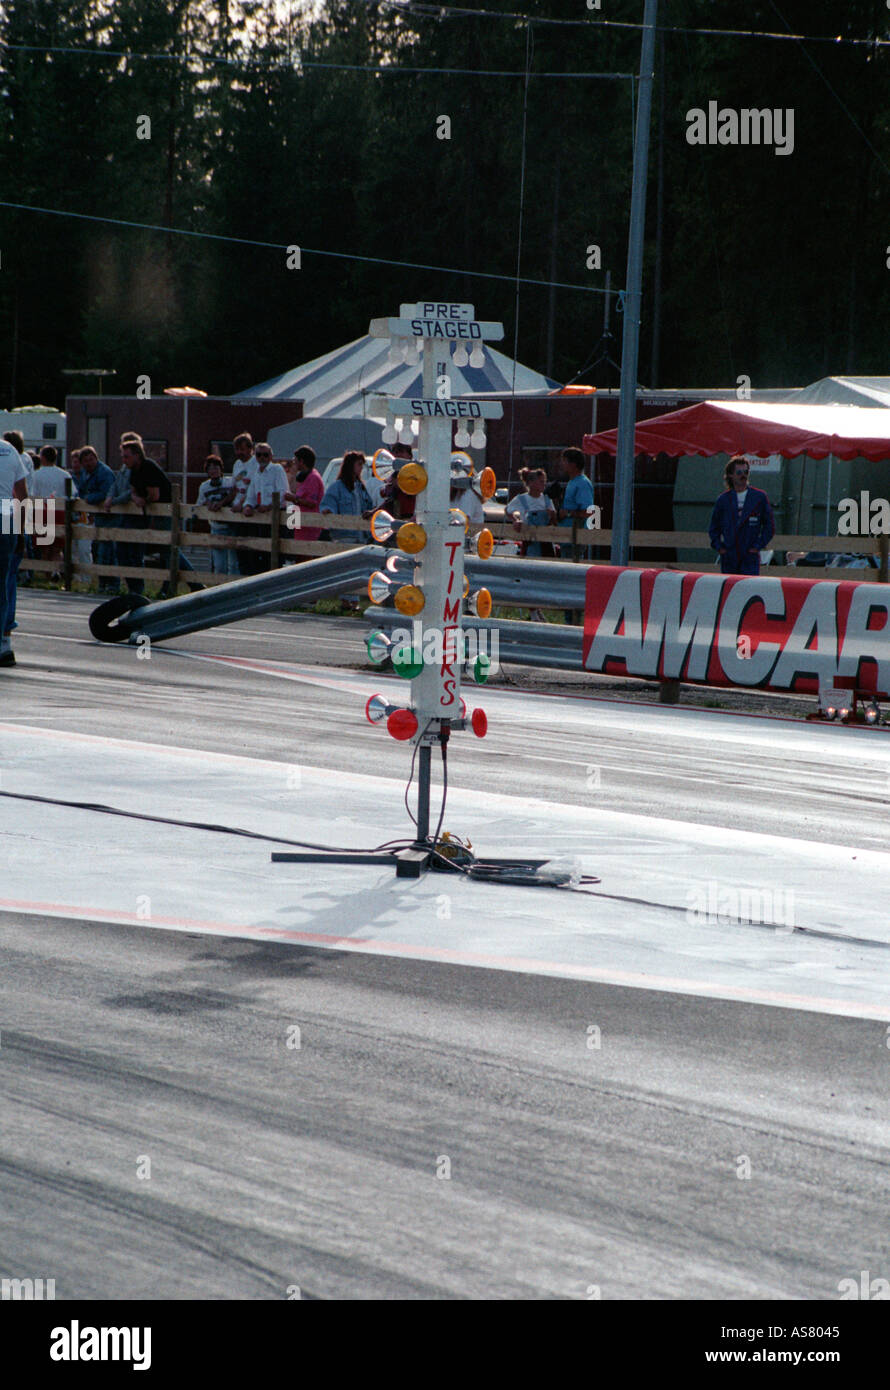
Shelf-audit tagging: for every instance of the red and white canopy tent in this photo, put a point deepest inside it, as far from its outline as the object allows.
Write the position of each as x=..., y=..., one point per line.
x=742, y=427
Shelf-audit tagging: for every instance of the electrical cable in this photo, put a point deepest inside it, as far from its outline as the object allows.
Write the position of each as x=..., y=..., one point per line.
x=383, y=69
x=458, y=12
x=444, y=741
x=411, y=772
x=304, y=250
x=197, y=825
x=514, y=874
x=846, y=110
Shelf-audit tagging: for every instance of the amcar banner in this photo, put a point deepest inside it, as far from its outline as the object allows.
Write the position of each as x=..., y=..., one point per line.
x=740, y=630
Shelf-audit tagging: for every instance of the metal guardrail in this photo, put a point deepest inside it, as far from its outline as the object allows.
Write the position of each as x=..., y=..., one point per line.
x=522, y=644
x=129, y=616
x=523, y=582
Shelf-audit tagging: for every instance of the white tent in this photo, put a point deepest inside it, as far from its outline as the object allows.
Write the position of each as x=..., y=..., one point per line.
x=340, y=382
x=869, y=391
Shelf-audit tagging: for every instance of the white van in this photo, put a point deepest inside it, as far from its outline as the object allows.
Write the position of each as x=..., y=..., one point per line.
x=39, y=425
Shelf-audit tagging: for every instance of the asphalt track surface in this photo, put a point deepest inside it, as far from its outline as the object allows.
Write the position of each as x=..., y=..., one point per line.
x=325, y=1167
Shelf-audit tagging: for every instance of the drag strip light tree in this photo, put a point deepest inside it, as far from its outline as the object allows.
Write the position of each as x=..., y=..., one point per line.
x=435, y=539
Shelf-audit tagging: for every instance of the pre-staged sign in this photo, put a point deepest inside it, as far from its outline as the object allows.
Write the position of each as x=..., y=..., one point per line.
x=777, y=634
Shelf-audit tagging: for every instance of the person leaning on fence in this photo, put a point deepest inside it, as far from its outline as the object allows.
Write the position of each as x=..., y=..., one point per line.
x=95, y=487
x=13, y=488
x=215, y=493
x=48, y=483
x=268, y=482
x=306, y=489
x=243, y=470
x=148, y=484
x=577, y=497
x=742, y=521
x=348, y=496
x=532, y=508
x=119, y=496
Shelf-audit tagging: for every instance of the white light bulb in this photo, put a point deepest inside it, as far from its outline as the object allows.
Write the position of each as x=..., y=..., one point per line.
x=389, y=435
x=460, y=358
x=477, y=438
x=406, y=436
x=477, y=357
x=462, y=438
x=415, y=428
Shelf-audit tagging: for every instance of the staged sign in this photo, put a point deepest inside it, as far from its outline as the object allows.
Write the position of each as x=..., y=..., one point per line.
x=777, y=634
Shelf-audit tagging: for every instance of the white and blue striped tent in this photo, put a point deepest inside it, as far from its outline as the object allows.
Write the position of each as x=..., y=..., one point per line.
x=340, y=382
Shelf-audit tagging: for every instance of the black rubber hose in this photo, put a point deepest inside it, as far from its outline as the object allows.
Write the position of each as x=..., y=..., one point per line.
x=104, y=624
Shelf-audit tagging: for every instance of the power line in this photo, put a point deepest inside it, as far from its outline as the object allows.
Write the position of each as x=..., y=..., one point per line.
x=304, y=250
x=841, y=103
x=459, y=12
x=383, y=69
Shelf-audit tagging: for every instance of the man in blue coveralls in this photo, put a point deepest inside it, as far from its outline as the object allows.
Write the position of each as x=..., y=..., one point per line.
x=742, y=521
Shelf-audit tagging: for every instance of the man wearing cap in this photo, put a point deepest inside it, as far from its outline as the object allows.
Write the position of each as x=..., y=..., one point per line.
x=742, y=521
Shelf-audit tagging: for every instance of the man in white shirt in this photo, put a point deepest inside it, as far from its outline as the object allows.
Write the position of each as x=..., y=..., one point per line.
x=243, y=469
x=48, y=481
x=268, y=479
x=13, y=488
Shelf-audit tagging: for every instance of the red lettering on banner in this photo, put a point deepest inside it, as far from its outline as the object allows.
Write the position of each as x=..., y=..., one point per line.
x=794, y=633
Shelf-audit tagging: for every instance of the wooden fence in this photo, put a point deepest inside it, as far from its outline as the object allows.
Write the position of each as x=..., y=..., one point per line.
x=279, y=546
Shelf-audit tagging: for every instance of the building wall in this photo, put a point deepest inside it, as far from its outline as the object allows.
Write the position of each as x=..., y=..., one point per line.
x=161, y=421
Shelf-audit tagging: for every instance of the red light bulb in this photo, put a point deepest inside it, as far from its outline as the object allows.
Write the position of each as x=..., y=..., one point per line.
x=479, y=721
x=402, y=723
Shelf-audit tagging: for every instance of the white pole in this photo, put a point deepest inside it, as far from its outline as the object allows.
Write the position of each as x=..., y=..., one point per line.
x=828, y=496
x=627, y=405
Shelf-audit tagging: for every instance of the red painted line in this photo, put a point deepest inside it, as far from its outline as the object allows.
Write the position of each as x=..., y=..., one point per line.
x=454, y=956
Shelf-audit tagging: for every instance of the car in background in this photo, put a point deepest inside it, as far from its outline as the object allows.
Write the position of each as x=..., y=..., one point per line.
x=841, y=560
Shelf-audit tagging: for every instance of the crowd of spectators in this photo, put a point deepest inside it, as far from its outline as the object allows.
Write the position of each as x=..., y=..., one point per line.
x=249, y=489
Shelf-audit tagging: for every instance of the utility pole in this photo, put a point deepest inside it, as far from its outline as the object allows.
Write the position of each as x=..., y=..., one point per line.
x=630, y=347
